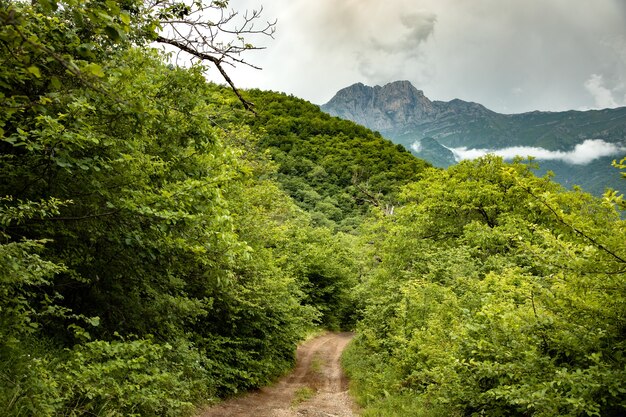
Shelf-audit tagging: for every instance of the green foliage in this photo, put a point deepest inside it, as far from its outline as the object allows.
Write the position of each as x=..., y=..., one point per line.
x=160, y=248
x=333, y=168
x=498, y=293
x=131, y=378
x=147, y=260
x=612, y=195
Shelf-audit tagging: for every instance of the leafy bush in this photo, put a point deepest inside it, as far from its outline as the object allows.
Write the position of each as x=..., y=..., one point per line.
x=147, y=260
x=498, y=293
x=132, y=378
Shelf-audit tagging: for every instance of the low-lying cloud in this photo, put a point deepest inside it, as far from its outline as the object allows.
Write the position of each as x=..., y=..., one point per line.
x=582, y=154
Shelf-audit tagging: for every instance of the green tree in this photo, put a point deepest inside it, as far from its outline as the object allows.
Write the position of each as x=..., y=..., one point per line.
x=497, y=293
x=138, y=280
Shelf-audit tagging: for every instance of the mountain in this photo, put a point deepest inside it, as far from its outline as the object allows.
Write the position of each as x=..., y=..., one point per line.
x=405, y=115
x=434, y=152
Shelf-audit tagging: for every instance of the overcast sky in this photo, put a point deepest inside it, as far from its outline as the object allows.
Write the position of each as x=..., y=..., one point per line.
x=510, y=55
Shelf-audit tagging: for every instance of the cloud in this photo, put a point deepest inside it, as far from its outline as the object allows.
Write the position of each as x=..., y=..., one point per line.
x=385, y=55
x=582, y=154
x=414, y=28
x=420, y=26
x=513, y=56
x=602, y=95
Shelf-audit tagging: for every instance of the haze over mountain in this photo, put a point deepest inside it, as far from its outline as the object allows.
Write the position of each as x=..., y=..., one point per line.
x=578, y=146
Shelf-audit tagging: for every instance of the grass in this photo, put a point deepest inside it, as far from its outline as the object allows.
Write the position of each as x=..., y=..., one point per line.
x=316, y=364
x=301, y=395
x=374, y=386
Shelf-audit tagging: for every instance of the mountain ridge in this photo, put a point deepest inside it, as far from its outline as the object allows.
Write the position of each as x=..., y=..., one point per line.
x=404, y=114
x=358, y=102
x=478, y=124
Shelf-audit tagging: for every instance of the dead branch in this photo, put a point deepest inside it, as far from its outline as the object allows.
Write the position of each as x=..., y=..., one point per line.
x=210, y=32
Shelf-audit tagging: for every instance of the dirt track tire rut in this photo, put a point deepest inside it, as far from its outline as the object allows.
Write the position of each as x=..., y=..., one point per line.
x=317, y=386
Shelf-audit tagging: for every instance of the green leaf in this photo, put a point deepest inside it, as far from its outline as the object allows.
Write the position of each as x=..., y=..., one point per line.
x=113, y=33
x=34, y=70
x=94, y=321
x=48, y=5
x=55, y=83
x=125, y=18
x=94, y=69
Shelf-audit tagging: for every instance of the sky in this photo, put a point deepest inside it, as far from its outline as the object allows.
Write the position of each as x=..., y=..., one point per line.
x=512, y=56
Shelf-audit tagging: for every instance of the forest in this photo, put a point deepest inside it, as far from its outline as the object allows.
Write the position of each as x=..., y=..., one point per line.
x=163, y=246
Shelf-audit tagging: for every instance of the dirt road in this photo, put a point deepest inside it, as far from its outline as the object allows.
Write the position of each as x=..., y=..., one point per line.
x=316, y=387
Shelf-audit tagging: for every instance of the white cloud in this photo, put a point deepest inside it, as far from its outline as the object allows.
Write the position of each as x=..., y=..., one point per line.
x=602, y=95
x=479, y=50
x=582, y=154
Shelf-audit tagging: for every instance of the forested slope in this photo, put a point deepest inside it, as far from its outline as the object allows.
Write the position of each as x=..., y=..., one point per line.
x=334, y=169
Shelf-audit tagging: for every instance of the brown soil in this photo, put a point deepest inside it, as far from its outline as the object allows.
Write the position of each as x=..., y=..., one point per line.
x=316, y=388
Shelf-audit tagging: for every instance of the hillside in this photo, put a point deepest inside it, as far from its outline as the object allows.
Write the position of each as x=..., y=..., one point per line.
x=334, y=169
x=404, y=114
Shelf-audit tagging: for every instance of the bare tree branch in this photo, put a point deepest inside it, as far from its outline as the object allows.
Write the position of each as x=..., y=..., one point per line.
x=208, y=31
x=246, y=104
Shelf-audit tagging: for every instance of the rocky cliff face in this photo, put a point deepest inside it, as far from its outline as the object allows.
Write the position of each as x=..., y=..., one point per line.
x=382, y=108
x=398, y=109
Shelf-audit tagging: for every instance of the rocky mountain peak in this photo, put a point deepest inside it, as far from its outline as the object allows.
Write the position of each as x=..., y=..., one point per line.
x=441, y=131
x=403, y=96
x=381, y=108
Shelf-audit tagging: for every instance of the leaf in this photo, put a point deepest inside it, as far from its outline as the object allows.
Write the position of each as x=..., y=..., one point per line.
x=55, y=83
x=125, y=18
x=86, y=50
x=94, y=321
x=48, y=5
x=94, y=69
x=113, y=33
x=34, y=70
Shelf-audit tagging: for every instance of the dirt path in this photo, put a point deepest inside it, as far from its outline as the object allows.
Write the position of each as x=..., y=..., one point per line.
x=316, y=387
